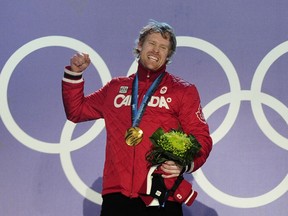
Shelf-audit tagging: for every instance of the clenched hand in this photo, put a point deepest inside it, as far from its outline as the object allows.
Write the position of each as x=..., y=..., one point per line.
x=79, y=62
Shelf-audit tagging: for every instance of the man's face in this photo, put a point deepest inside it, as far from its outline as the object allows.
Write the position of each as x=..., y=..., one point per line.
x=154, y=51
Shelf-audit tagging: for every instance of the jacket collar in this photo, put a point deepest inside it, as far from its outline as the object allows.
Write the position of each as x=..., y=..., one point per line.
x=144, y=73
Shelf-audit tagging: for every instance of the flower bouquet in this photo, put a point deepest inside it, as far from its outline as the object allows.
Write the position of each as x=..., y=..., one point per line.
x=176, y=146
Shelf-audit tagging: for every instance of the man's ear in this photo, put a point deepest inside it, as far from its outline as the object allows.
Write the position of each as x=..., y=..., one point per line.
x=139, y=47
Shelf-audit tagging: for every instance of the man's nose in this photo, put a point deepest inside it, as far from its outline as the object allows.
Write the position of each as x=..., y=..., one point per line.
x=156, y=48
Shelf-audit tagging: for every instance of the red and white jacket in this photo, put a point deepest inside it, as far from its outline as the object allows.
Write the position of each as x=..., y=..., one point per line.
x=175, y=102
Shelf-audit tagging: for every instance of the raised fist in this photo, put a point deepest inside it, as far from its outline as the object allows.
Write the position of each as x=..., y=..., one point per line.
x=79, y=62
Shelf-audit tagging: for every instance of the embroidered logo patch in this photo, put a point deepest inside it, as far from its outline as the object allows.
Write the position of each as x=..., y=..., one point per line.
x=123, y=89
x=179, y=196
x=158, y=193
x=200, y=115
x=163, y=90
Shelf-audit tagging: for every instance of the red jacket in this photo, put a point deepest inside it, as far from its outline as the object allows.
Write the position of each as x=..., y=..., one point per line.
x=174, y=102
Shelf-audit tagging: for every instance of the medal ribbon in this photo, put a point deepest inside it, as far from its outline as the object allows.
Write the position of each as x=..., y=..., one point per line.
x=138, y=113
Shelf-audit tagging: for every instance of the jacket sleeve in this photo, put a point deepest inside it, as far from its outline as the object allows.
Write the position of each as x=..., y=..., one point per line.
x=193, y=122
x=79, y=108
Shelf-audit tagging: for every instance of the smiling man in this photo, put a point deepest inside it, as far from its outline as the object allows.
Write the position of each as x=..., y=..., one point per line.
x=154, y=51
x=134, y=108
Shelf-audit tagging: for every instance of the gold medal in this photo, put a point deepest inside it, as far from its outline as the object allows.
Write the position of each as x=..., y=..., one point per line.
x=133, y=136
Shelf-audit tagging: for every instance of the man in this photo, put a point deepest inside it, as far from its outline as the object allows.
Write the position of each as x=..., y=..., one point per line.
x=133, y=108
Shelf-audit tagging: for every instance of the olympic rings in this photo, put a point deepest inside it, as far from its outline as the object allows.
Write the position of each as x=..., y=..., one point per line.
x=6, y=73
x=259, y=75
x=234, y=98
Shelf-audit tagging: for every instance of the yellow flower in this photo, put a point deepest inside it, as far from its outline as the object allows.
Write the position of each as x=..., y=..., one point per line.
x=176, y=142
x=173, y=145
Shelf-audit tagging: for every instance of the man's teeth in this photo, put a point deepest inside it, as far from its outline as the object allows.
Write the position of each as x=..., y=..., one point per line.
x=153, y=58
